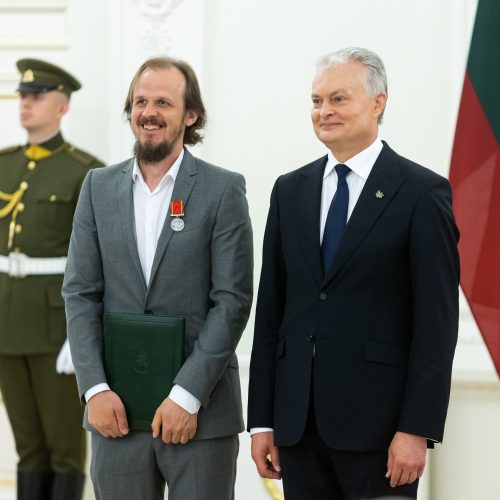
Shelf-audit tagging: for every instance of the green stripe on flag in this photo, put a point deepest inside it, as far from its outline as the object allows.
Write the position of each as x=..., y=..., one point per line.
x=483, y=66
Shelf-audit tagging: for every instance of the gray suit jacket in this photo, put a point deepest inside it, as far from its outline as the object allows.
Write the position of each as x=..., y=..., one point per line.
x=203, y=273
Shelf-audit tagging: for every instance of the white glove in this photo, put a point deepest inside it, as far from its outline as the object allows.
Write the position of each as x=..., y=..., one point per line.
x=64, y=363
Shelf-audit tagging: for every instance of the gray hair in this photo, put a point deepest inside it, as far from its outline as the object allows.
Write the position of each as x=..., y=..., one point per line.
x=376, y=78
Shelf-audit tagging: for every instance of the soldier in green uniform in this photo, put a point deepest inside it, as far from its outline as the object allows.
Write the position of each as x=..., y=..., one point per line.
x=39, y=187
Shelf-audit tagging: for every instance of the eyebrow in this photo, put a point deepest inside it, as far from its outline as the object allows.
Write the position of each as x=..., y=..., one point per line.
x=338, y=91
x=154, y=98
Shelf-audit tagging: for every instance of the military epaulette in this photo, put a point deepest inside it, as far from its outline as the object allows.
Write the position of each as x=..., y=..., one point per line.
x=79, y=155
x=10, y=149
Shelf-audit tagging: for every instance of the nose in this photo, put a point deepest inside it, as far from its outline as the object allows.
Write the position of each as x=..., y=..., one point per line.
x=326, y=110
x=150, y=110
x=25, y=104
x=26, y=99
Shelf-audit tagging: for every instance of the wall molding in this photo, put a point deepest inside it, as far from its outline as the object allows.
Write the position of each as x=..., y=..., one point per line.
x=483, y=389
x=157, y=14
x=155, y=9
x=9, y=76
x=8, y=80
x=34, y=6
x=25, y=34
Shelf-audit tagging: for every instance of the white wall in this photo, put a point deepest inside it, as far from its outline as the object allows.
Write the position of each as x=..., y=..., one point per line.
x=261, y=58
x=255, y=60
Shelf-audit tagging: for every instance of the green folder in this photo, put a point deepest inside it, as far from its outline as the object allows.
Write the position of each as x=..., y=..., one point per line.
x=142, y=355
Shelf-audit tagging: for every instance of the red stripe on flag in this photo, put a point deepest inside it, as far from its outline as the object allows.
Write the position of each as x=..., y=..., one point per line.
x=475, y=179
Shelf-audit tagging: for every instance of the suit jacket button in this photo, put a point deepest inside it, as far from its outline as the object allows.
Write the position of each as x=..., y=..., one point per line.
x=309, y=338
x=323, y=296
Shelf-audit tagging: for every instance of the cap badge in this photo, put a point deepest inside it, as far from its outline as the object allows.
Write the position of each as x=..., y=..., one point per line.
x=28, y=76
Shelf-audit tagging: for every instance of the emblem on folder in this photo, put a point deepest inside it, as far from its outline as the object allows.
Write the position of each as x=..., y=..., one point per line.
x=177, y=211
x=142, y=362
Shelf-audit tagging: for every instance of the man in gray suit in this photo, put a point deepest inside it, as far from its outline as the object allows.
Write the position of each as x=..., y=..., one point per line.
x=133, y=251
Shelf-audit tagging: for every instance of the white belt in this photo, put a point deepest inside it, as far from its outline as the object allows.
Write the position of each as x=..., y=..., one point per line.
x=19, y=265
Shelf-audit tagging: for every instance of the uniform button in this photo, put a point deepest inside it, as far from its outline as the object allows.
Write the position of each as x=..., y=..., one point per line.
x=24, y=186
x=323, y=296
x=31, y=165
x=309, y=338
x=20, y=207
x=18, y=228
x=53, y=197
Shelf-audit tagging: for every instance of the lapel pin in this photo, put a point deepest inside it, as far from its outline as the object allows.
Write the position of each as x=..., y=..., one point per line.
x=177, y=211
x=379, y=194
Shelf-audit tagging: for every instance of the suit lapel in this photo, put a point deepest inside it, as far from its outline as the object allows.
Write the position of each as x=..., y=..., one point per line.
x=184, y=183
x=307, y=210
x=384, y=180
x=126, y=207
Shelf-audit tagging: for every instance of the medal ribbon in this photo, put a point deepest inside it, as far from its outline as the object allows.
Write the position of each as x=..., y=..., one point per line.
x=176, y=208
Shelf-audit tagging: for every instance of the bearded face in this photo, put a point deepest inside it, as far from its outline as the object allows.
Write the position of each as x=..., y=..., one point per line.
x=158, y=117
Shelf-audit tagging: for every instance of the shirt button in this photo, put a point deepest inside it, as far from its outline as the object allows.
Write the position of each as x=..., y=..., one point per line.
x=323, y=296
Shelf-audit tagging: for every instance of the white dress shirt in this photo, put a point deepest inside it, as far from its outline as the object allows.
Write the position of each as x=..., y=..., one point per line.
x=151, y=212
x=361, y=165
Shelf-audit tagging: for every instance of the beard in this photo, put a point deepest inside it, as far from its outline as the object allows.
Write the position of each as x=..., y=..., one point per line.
x=148, y=152
x=152, y=153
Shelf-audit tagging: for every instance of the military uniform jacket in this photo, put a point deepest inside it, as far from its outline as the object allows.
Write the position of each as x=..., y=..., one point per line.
x=32, y=319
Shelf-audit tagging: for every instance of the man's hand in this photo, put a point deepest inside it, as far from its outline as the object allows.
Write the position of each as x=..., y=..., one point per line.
x=106, y=414
x=175, y=423
x=262, y=447
x=406, y=460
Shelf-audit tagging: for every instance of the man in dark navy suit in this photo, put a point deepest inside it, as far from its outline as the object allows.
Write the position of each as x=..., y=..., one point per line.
x=357, y=313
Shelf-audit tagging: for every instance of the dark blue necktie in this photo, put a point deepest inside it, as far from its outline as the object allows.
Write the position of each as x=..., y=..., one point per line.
x=336, y=219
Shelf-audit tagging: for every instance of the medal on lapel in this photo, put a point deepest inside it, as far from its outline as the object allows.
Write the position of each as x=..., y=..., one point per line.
x=177, y=211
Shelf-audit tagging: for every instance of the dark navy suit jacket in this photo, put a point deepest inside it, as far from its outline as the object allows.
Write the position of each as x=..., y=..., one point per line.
x=383, y=321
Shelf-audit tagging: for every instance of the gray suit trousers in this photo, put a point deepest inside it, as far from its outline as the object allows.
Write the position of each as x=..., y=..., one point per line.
x=136, y=467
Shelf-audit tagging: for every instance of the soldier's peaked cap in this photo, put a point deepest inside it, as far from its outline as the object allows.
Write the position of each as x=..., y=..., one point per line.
x=40, y=76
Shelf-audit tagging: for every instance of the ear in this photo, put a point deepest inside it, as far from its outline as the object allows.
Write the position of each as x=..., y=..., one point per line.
x=190, y=118
x=63, y=106
x=379, y=104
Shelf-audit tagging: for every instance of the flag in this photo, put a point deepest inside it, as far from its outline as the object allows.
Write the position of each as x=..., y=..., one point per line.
x=475, y=176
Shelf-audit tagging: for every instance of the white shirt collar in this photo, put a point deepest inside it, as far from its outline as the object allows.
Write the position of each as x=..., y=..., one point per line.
x=172, y=171
x=361, y=164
